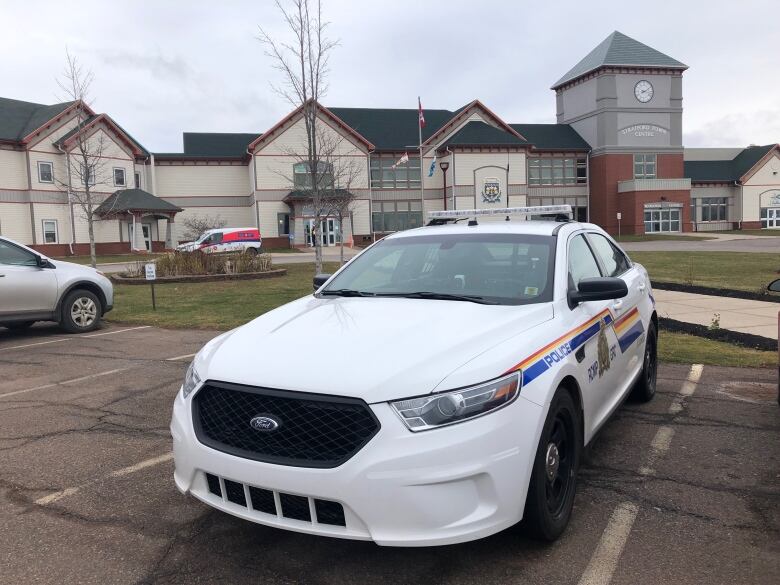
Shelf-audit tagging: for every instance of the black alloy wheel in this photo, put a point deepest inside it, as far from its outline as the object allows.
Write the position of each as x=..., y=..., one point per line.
x=553, y=484
x=644, y=389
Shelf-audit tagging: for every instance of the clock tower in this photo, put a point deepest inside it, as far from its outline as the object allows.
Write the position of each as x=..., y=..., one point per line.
x=625, y=99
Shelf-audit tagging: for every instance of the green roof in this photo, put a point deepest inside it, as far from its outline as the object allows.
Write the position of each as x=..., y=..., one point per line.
x=134, y=200
x=702, y=171
x=392, y=129
x=218, y=143
x=619, y=50
x=479, y=133
x=18, y=118
x=552, y=136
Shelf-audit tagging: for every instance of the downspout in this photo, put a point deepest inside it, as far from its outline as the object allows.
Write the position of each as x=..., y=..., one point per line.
x=154, y=178
x=452, y=166
x=253, y=184
x=70, y=203
x=371, y=197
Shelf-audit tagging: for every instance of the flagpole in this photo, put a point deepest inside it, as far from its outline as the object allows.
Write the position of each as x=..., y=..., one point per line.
x=422, y=177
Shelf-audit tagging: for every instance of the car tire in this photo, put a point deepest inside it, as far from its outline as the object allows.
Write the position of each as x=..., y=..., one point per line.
x=644, y=388
x=551, y=492
x=81, y=311
x=251, y=251
x=20, y=325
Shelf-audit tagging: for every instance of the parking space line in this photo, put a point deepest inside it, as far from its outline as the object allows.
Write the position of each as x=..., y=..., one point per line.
x=56, y=496
x=180, y=357
x=688, y=388
x=73, y=338
x=73, y=381
x=605, y=558
x=658, y=448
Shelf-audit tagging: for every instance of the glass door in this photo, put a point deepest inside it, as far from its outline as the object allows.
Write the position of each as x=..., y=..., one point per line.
x=770, y=217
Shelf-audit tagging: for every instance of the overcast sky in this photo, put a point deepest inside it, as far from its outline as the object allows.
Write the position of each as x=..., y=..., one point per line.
x=165, y=67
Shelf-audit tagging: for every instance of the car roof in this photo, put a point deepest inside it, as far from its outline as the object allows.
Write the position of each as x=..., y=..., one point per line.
x=535, y=227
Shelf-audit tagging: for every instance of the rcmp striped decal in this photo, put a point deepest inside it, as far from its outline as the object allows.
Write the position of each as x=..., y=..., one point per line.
x=627, y=329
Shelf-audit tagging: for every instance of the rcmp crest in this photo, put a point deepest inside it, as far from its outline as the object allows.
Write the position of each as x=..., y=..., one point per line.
x=491, y=192
x=603, y=350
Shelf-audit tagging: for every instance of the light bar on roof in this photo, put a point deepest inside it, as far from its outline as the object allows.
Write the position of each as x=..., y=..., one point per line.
x=534, y=210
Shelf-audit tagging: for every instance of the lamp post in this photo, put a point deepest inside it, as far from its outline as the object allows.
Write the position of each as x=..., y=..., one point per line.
x=444, y=165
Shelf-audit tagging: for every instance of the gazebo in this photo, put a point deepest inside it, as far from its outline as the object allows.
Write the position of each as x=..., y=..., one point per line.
x=135, y=205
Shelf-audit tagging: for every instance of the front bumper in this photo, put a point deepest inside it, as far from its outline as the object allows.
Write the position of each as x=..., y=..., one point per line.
x=436, y=487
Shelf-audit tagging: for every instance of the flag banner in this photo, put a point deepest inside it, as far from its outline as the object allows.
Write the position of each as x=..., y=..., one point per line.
x=403, y=160
x=421, y=115
x=433, y=166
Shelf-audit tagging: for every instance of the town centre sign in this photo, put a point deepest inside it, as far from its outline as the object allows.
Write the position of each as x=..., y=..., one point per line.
x=644, y=130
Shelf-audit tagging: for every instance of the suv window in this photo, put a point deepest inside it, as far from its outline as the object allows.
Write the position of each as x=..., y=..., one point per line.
x=582, y=264
x=613, y=260
x=14, y=255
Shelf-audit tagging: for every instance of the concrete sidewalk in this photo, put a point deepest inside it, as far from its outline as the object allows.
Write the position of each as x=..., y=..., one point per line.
x=755, y=317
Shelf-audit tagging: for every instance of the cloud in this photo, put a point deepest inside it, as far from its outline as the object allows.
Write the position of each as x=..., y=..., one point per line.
x=162, y=68
x=737, y=129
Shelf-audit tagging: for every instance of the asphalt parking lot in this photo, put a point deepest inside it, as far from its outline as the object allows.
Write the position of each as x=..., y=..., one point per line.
x=685, y=489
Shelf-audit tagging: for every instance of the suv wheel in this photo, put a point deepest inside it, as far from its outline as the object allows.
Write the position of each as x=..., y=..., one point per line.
x=81, y=311
x=554, y=477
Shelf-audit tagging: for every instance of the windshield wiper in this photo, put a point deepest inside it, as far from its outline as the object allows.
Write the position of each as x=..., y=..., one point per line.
x=346, y=292
x=422, y=294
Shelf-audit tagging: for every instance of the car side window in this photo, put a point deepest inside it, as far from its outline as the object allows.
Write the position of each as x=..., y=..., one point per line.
x=582, y=264
x=613, y=260
x=16, y=256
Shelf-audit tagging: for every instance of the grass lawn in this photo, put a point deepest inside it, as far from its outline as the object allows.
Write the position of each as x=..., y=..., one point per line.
x=688, y=349
x=770, y=233
x=110, y=258
x=749, y=271
x=658, y=237
x=211, y=305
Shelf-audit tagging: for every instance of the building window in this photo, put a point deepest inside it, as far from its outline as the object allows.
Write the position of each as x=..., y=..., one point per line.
x=644, y=166
x=283, y=224
x=138, y=180
x=394, y=216
x=45, y=172
x=557, y=171
x=713, y=209
x=302, y=178
x=87, y=174
x=403, y=176
x=119, y=177
x=50, y=231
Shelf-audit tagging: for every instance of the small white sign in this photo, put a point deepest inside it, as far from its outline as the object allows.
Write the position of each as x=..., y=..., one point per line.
x=151, y=271
x=619, y=215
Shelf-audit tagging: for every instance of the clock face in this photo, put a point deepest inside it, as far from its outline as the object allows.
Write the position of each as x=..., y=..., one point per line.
x=643, y=91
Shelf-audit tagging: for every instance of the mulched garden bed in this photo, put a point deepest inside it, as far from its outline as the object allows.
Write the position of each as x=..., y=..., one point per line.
x=716, y=292
x=733, y=337
x=119, y=279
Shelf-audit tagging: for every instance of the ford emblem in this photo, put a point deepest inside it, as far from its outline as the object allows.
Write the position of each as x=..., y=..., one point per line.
x=264, y=424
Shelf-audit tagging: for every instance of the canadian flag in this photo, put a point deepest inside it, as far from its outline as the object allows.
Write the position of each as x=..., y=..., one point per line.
x=421, y=115
x=403, y=160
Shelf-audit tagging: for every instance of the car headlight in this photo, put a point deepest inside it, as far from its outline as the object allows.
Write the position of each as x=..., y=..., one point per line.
x=446, y=408
x=191, y=381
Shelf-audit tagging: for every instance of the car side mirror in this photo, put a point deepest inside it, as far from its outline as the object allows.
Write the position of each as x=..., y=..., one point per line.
x=42, y=262
x=320, y=279
x=601, y=288
x=774, y=286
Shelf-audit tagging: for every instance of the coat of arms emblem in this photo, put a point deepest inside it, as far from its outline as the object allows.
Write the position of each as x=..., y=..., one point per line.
x=491, y=192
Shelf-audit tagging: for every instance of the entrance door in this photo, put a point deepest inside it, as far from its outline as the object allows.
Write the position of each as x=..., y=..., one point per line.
x=327, y=234
x=662, y=220
x=146, y=229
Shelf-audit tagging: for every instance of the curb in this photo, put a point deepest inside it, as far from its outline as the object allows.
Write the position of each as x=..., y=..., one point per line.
x=716, y=292
x=733, y=337
x=200, y=277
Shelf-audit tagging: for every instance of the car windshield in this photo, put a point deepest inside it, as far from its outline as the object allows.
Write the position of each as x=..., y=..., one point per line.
x=506, y=269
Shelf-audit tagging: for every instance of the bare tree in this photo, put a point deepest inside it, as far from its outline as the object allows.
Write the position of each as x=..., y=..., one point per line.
x=195, y=225
x=85, y=161
x=303, y=62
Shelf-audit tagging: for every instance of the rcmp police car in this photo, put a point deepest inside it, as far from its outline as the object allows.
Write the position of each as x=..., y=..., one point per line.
x=437, y=389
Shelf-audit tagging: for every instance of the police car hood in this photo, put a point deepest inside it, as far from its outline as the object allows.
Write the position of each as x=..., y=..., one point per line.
x=376, y=349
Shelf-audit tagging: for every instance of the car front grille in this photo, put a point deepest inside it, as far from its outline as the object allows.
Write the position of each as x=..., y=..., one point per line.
x=290, y=506
x=313, y=430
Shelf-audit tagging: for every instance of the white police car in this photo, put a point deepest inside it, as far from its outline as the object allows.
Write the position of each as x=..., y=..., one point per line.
x=437, y=389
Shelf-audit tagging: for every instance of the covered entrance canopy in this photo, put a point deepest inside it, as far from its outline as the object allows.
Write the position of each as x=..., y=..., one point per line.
x=134, y=206
x=334, y=214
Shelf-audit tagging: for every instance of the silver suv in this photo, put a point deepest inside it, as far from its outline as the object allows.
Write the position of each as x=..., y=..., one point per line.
x=36, y=288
